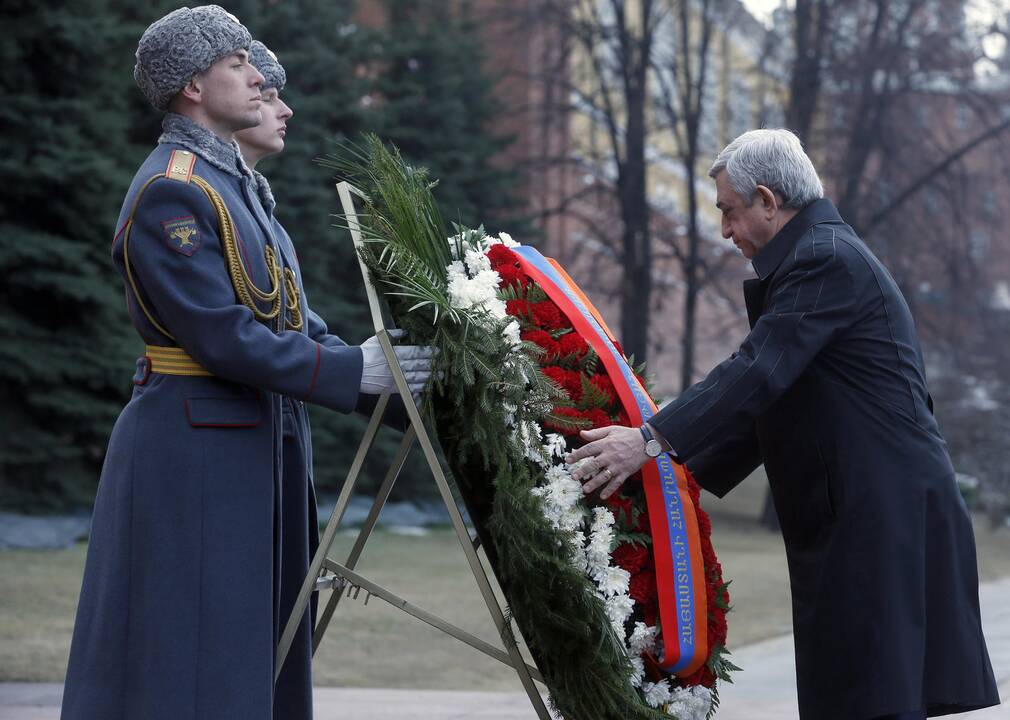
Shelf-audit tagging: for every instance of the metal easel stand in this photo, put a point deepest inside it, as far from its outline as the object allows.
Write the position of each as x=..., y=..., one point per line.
x=325, y=572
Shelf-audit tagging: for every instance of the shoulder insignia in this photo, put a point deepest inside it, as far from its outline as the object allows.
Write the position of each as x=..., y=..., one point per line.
x=182, y=235
x=180, y=165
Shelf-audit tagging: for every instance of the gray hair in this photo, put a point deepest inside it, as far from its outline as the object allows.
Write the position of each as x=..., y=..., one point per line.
x=775, y=159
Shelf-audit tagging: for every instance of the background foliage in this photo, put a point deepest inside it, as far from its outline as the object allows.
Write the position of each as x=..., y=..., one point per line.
x=82, y=128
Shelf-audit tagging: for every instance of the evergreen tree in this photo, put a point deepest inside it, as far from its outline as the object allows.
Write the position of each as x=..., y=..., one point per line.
x=436, y=103
x=67, y=350
x=77, y=129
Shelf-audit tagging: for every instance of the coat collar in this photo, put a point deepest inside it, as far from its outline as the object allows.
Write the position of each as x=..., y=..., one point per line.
x=266, y=195
x=772, y=255
x=225, y=156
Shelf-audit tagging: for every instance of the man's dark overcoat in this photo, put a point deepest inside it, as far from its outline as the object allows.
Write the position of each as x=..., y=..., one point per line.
x=828, y=391
x=204, y=519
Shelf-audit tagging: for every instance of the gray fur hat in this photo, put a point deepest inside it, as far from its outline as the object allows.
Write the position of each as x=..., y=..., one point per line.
x=182, y=44
x=264, y=60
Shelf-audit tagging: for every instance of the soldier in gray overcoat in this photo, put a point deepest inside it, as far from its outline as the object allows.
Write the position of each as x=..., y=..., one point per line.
x=828, y=390
x=192, y=535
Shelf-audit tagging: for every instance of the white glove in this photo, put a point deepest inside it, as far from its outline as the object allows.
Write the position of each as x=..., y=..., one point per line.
x=376, y=376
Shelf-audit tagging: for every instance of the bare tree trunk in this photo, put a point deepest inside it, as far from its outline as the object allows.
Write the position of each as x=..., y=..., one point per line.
x=810, y=38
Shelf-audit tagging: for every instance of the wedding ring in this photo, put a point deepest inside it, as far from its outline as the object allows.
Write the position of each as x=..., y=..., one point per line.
x=610, y=474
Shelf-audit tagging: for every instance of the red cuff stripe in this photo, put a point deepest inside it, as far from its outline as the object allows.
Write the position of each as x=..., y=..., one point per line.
x=315, y=372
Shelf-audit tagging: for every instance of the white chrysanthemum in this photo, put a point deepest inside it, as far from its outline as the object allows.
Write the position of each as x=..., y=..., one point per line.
x=619, y=609
x=637, y=671
x=601, y=539
x=507, y=240
x=690, y=703
x=656, y=694
x=703, y=696
x=643, y=638
x=455, y=268
x=571, y=519
x=565, y=492
x=555, y=444
x=613, y=581
x=602, y=518
x=556, y=473
x=498, y=310
x=511, y=335
x=476, y=261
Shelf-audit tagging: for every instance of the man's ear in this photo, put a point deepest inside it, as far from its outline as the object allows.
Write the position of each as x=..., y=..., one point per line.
x=769, y=203
x=192, y=91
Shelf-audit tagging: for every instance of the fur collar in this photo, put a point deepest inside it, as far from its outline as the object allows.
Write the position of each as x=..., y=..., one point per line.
x=223, y=155
x=265, y=193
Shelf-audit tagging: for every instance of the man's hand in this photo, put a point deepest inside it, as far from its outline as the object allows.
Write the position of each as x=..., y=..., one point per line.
x=614, y=453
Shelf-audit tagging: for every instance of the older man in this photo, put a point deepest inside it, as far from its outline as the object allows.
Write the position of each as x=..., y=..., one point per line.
x=828, y=391
x=180, y=605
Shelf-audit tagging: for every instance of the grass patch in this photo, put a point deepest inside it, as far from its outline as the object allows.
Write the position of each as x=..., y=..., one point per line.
x=379, y=646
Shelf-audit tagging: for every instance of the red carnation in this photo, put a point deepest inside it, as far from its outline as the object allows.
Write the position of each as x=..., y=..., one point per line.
x=643, y=587
x=573, y=383
x=604, y=385
x=703, y=676
x=511, y=275
x=500, y=255
x=599, y=418
x=717, y=628
x=556, y=374
x=518, y=308
x=631, y=557
x=708, y=553
x=573, y=344
x=544, y=340
x=704, y=523
x=548, y=316
x=564, y=412
x=651, y=613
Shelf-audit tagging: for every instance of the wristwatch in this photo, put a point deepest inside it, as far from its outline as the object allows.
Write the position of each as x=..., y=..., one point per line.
x=652, y=446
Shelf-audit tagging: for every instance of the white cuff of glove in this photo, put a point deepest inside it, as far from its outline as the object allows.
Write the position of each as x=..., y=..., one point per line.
x=376, y=375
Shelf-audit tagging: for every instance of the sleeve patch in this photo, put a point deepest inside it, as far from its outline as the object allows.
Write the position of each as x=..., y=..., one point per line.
x=182, y=235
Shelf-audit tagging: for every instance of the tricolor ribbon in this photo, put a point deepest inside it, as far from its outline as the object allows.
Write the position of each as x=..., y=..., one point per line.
x=676, y=546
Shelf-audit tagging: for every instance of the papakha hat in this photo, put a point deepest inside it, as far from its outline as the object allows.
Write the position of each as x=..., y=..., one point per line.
x=264, y=60
x=182, y=44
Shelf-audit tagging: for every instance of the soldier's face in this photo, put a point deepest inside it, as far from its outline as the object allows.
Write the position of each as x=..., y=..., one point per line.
x=230, y=93
x=267, y=138
x=749, y=226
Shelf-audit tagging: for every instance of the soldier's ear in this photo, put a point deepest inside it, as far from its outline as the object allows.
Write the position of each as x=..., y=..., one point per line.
x=193, y=90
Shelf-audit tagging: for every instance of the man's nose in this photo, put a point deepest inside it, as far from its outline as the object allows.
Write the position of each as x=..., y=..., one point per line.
x=727, y=231
x=257, y=78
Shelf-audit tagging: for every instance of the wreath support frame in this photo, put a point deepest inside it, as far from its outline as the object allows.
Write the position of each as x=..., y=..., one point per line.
x=327, y=573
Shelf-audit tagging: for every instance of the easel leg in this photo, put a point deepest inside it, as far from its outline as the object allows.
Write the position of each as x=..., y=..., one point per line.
x=309, y=585
x=366, y=530
x=463, y=535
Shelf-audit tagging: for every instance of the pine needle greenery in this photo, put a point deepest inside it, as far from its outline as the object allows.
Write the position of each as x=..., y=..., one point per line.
x=483, y=389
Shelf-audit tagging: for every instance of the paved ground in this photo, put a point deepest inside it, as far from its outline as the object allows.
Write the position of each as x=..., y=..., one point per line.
x=765, y=691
